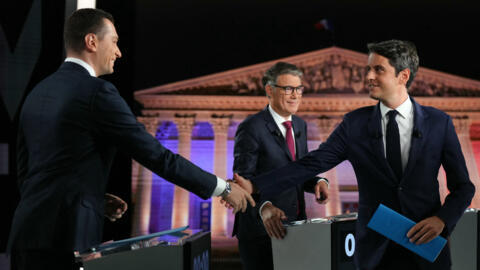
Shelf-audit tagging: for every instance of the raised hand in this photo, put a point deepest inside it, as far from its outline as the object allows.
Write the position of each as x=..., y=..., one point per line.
x=238, y=198
x=115, y=207
x=244, y=183
x=426, y=230
x=272, y=220
x=321, y=192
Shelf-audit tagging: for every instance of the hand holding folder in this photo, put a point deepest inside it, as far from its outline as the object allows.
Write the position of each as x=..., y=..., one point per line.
x=395, y=227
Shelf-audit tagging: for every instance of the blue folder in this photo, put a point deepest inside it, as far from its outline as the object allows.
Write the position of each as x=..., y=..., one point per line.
x=394, y=226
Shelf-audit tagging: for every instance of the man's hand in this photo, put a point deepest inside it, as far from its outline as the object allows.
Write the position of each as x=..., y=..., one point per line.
x=426, y=230
x=114, y=207
x=272, y=220
x=321, y=192
x=244, y=183
x=238, y=198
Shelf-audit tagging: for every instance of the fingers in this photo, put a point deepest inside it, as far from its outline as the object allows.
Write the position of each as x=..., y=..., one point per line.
x=425, y=230
x=272, y=219
x=321, y=193
x=416, y=232
x=274, y=227
x=317, y=192
x=245, y=184
x=250, y=199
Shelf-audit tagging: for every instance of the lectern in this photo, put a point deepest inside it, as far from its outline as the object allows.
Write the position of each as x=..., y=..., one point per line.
x=322, y=243
x=465, y=242
x=184, y=250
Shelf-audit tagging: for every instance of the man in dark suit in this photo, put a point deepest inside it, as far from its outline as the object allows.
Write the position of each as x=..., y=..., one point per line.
x=70, y=127
x=396, y=149
x=266, y=141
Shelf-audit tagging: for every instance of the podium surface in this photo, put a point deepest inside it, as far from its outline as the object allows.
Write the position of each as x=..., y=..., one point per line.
x=186, y=250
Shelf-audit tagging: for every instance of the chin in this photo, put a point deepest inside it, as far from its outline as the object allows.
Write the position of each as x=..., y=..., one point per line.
x=372, y=95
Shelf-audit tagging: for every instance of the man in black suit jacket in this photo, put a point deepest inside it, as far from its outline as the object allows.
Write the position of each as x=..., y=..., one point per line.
x=396, y=149
x=70, y=127
x=261, y=145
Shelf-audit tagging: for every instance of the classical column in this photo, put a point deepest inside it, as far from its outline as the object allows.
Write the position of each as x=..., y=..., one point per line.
x=142, y=186
x=181, y=197
x=462, y=126
x=220, y=126
x=326, y=125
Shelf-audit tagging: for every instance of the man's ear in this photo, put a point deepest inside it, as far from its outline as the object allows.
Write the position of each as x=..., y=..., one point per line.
x=269, y=90
x=91, y=42
x=403, y=76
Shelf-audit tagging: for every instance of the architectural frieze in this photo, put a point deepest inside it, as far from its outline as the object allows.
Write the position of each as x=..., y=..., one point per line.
x=326, y=71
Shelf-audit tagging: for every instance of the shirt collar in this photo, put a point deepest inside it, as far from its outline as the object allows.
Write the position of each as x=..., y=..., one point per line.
x=278, y=118
x=83, y=64
x=404, y=110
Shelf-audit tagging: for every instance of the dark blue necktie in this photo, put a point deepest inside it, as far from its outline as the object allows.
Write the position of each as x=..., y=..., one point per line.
x=394, y=155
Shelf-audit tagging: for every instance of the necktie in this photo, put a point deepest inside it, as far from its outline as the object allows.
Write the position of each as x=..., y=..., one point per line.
x=289, y=138
x=291, y=147
x=394, y=156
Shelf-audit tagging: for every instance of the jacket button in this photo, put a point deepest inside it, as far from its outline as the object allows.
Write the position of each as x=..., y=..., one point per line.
x=400, y=189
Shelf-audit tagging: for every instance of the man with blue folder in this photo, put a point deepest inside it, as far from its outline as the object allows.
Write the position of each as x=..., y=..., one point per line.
x=396, y=149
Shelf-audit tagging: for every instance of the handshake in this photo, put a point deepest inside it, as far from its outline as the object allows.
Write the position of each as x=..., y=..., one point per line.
x=239, y=195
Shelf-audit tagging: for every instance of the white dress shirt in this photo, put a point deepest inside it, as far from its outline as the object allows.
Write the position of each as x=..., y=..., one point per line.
x=83, y=64
x=279, y=121
x=404, y=120
x=221, y=184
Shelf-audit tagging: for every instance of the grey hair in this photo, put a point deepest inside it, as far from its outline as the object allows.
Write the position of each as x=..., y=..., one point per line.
x=280, y=68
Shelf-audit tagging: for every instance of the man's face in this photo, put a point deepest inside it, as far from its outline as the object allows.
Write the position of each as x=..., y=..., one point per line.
x=107, y=50
x=382, y=83
x=281, y=103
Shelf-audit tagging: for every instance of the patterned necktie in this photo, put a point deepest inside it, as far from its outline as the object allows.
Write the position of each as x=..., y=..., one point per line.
x=394, y=155
x=289, y=138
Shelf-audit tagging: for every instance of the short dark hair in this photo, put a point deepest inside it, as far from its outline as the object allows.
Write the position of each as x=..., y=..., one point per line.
x=280, y=68
x=81, y=23
x=401, y=55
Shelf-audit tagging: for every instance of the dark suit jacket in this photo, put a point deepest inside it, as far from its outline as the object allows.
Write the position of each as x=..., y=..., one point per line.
x=259, y=148
x=70, y=127
x=359, y=139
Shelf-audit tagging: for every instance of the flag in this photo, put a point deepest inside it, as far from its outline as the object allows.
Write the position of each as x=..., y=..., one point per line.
x=324, y=24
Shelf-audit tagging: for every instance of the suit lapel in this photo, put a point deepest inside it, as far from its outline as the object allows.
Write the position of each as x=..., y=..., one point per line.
x=419, y=136
x=276, y=134
x=299, y=143
x=376, y=142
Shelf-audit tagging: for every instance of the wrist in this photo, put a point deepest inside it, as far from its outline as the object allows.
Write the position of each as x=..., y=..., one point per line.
x=322, y=179
x=226, y=191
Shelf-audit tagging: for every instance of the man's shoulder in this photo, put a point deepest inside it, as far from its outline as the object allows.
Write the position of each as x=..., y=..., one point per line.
x=360, y=112
x=433, y=112
x=254, y=119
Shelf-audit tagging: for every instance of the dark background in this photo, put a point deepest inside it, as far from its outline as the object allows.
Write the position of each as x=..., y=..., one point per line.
x=167, y=41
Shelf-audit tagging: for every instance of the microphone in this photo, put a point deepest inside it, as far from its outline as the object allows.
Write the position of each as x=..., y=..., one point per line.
x=416, y=134
x=297, y=135
x=277, y=133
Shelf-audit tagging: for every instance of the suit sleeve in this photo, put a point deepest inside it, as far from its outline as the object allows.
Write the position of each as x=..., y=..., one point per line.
x=245, y=152
x=458, y=182
x=327, y=156
x=115, y=123
x=22, y=158
x=309, y=185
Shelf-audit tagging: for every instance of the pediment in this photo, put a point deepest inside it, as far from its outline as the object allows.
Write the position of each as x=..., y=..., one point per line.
x=327, y=71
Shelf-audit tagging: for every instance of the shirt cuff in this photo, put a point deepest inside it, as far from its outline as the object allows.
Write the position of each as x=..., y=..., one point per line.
x=261, y=207
x=320, y=179
x=221, y=185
